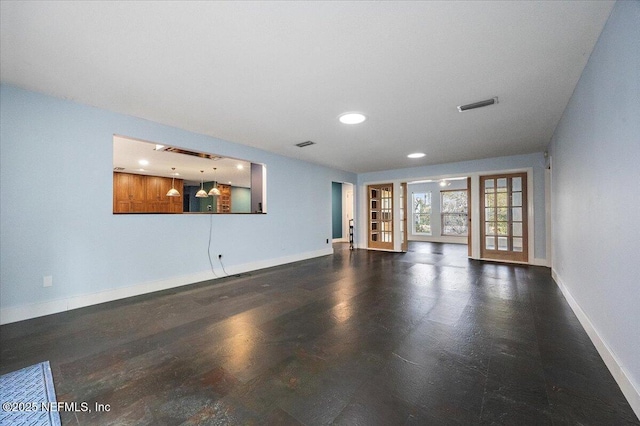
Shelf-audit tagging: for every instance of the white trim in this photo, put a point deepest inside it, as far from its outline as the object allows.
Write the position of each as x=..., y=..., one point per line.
x=531, y=220
x=438, y=239
x=28, y=311
x=541, y=262
x=387, y=250
x=547, y=215
x=474, y=195
x=629, y=390
x=340, y=240
x=397, y=222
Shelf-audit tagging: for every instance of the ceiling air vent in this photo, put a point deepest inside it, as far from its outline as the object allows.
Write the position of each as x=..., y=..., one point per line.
x=118, y=169
x=194, y=153
x=480, y=104
x=303, y=144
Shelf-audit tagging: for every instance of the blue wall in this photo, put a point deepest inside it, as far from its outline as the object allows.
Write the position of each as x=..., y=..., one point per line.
x=595, y=205
x=336, y=209
x=63, y=151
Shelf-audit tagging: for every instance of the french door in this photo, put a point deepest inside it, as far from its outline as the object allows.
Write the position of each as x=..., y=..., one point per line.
x=503, y=217
x=380, y=199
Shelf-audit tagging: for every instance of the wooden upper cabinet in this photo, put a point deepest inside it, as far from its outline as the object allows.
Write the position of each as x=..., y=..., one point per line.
x=157, y=200
x=175, y=203
x=145, y=194
x=128, y=193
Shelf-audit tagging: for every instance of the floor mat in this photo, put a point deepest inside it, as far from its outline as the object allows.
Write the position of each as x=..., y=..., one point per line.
x=28, y=397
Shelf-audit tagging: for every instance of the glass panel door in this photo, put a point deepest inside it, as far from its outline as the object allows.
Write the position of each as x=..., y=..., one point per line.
x=504, y=217
x=380, y=216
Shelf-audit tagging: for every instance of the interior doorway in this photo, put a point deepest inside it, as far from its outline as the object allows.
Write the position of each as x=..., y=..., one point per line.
x=342, y=209
x=503, y=217
x=439, y=210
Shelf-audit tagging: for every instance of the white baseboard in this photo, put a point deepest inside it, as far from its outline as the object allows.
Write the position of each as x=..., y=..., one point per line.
x=540, y=262
x=438, y=239
x=630, y=391
x=34, y=310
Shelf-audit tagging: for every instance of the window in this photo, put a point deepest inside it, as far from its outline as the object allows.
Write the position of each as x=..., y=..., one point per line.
x=454, y=212
x=421, y=213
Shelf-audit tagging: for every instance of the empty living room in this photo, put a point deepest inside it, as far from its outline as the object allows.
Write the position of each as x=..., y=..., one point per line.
x=309, y=213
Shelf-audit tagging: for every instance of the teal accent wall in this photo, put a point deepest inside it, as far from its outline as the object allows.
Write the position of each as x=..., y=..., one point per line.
x=240, y=200
x=336, y=209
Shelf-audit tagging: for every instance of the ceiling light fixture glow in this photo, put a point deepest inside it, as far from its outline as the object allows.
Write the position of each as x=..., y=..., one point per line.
x=173, y=192
x=143, y=162
x=214, y=189
x=416, y=155
x=201, y=193
x=352, y=118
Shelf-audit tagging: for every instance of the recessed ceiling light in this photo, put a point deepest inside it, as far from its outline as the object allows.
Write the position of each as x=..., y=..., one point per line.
x=352, y=118
x=416, y=155
x=240, y=167
x=143, y=162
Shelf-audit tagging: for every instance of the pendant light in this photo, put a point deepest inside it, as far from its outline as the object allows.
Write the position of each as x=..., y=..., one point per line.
x=173, y=192
x=214, y=190
x=202, y=193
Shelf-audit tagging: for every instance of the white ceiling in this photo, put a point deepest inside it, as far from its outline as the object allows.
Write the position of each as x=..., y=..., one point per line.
x=127, y=153
x=273, y=74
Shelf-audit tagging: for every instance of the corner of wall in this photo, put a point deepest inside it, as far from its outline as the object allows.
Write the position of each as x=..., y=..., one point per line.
x=630, y=390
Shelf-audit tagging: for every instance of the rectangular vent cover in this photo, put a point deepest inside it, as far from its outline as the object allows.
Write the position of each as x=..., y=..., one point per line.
x=303, y=144
x=193, y=153
x=118, y=169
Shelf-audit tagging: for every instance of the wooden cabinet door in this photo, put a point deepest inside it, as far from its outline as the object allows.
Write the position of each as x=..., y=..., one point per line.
x=137, y=186
x=156, y=200
x=128, y=193
x=176, y=203
x=121, y=203
x=145, y=194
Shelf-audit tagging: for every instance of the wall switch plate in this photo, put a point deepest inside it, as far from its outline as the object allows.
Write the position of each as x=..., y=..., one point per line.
x=47, y=281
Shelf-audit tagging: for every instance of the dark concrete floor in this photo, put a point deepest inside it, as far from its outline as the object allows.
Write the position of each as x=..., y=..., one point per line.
x=357, y=338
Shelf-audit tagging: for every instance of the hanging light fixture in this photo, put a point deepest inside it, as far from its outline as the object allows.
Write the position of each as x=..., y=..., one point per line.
x=214, y=190
x=173, y=192
x=202, y=193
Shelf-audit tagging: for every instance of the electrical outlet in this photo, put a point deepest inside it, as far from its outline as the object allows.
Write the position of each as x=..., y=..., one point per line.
x=47, y=281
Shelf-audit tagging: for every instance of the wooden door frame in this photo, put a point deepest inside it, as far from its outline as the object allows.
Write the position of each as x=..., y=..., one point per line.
x=497, y=254
x=390, y=246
